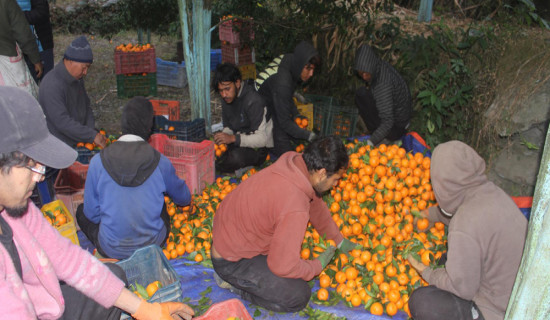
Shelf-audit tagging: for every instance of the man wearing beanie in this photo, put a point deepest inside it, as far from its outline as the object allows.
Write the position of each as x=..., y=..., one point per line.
x=64, y=100
x=43, y=275
x=124, y=207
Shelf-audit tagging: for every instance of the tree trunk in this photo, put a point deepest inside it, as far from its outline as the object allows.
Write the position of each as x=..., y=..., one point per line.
x=531, y=294
x=196, y=16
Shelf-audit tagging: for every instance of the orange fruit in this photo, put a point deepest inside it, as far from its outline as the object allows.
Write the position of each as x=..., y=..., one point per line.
x=324, y=281
x=426, y=257
x=376, y=309
x=152, y=288
x=322, y=294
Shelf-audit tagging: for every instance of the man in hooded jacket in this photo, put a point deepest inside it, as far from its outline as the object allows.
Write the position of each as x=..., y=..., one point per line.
x=124, y=207
x=486, y=235
x=384, y=102
x=278, y=90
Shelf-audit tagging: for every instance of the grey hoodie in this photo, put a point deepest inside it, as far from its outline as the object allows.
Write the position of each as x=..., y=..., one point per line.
x=391, y=92
x=486, y=230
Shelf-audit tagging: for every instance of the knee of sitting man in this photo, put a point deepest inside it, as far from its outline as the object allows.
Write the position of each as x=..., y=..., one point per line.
x=418, y=301
x=297, y=299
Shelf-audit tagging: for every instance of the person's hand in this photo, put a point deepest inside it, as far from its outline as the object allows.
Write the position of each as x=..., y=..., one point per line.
x=163, y=311
x=326, y=256
x=38, y=68
x=346, y=246
x=369, y=142
x=417, y=265
x=100, y=140
x=312, y=136
x=224, y=138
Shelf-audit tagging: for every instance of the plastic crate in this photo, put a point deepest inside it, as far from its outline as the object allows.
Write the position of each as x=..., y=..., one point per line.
x=71, y=179
x=136, y=85
x=231, y=30
x=194, y=162
x=215, y=58
x=72, y=201
x=170, y=109
x=147, y=265
x=226, y=309
x=68, y=230
x=237, y=54
x=85, y=155
x=306, y=110
x=248, y=71
x=194, y=131
x=335, y=120
x=171, y=74
x=135, y=62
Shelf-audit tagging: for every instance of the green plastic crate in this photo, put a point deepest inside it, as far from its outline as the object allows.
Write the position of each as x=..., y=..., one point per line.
x=136, y=85
x=335, y=120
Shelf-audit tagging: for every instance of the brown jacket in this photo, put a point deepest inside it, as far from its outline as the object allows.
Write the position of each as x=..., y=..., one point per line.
x=486, y=232
x=268, y=214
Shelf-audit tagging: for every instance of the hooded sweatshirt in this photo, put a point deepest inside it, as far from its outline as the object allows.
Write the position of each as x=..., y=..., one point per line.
x=486, y=231
x=125, y=186
x=279, y=88
x=390, y=91
x=268, y=214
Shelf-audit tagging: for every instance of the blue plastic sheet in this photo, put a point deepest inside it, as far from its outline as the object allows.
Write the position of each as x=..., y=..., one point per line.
x=196, y=278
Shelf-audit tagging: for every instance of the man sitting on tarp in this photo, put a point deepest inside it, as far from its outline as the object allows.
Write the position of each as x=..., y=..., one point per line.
x=278, y=91
x=247, y=126
x=124, y=207
x=259, y=227
x=43, y=275
x=384, y=101
x=486, y=236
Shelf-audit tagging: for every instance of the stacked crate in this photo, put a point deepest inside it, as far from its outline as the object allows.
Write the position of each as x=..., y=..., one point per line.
x=136, y=68
x=236, y=50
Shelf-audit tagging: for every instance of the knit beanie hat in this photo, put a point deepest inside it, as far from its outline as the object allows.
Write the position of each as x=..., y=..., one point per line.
x=79, y=50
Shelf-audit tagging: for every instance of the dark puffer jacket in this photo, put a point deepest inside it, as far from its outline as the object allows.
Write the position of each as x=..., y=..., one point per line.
x=390, y=91
x=279, y=88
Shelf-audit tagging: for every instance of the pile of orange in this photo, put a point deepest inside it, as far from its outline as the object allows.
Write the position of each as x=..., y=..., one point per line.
x=191, y=231
x=302, y=122
x=92, y=146
x=375, y=204
x=300, y=147
x=219, y=149
x=56, y=217
x=133, y=48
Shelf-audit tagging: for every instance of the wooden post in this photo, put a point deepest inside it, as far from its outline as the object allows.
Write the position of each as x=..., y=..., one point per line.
x=425, y=11
x=530, y=297
x=196, y=17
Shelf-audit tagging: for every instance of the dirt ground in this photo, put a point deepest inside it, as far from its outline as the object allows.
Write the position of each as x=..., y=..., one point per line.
x=101, y=82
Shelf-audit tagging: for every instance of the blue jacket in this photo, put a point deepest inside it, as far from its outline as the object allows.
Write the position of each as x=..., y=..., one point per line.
x=125, y=202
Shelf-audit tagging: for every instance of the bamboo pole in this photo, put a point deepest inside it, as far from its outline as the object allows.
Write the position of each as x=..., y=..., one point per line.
x=530, y=297
x=195, y=19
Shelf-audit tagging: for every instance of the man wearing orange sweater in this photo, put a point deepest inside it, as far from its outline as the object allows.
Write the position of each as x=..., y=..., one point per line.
x=259, y=227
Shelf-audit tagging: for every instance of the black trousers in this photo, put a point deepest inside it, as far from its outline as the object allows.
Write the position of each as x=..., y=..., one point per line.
x=427, y=303
x=364, y=100
x=282, y=142
x=91, y=230
x=79, y=306
x=260, y=286
x=238, y=157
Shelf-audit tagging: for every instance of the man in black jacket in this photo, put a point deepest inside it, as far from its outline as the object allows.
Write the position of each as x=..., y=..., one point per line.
x=384, y=102
x=278, y=90
x=247, y=124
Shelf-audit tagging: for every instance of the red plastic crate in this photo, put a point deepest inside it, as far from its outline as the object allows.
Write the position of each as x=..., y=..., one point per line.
x=135, y=62
x=71, y=179
x=170, y=109
x=226, y=309
x=237, y=54
x=231, y=30
x=194, y=162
